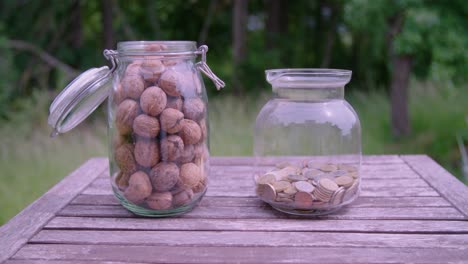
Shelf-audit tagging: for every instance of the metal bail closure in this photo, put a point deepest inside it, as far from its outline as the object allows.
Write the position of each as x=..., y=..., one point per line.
x=203, y=67
x=80, y=98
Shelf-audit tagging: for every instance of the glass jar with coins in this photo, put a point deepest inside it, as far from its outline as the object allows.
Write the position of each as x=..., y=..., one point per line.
x=157, y=119
x=307, y=143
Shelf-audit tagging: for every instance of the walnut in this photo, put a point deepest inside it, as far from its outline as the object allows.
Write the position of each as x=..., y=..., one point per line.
x=155, y=47
x=146, y=153
x=174, y=102
x=191, y=132
x=124, y=158
x=170, y=62
x=153, y=101
x=151, y=70
x=171, y=148
x=170, y=82
x=139, y=187
x=204, y=129
x=126, y=113
x=118, y=94
x=194, y=108
x=159, y=201
x=190, y=175
x=164, y=176
x=201, y=186
x=133, y=86
x=182, y=198
x=121, y=180
x=133, y=68
x=200, y=151
x=146, y=126
x=118, y=140
x=188, y=154
x=171, y=120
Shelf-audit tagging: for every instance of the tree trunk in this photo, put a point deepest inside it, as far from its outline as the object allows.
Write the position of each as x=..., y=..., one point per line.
x=107, y=30
x=400, y=69
x=207, y=23
x=277, y=21
x=330, y=33
x=239, y=23
x=401, y=65
x=76, y=25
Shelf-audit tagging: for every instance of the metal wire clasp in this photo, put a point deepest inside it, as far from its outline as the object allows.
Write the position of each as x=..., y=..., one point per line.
x=112, y=56
x=203, y=67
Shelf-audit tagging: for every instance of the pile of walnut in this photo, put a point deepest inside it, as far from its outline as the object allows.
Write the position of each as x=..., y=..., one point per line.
x=159, y=142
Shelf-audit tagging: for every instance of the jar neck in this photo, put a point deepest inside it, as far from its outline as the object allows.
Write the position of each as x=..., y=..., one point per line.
x=173, y=49
x=310, y=94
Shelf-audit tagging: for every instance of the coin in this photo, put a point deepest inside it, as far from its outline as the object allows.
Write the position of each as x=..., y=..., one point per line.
x=314, y=164
x=284, y=200
x=310, y=173
x=351, y=192
x=303, y=200
x=282, y=165
x=283, y=195
x=338, y=173
x=291, y=190
x=295, y=177
x=338, y=196
x=303, y=186
x=344, y=181
x=347, y=167
x=266, y=178
x=281, y=185
x=355, y=175
x=328, y=167
x=327, y=185
x=266, y=192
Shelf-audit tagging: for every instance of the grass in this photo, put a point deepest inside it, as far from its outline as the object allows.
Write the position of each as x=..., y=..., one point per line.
x=31, y=162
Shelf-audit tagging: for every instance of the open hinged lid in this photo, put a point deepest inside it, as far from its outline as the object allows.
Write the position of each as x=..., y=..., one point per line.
x=79, y=99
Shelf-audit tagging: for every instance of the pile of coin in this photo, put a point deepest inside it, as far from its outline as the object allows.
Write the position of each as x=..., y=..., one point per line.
x=309, y=186
x=159, y=136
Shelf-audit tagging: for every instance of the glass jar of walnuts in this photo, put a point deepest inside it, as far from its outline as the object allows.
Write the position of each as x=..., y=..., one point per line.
x=157, y=118
x=307, y=143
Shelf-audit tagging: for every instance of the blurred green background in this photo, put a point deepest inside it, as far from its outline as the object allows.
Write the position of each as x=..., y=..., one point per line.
x=407, y=55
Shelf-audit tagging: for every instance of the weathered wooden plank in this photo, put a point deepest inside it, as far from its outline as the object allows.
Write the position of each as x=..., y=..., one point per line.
x=236, y=160
x=444, y=182
x=20, y=228
x=291, y=225
x=240, y=191
x=221, y=201
x=437, y=213
x=243, y=182
x=250, y=239
x=49, y=261
x=374, y=171
x=220, y=254
x=244, y=187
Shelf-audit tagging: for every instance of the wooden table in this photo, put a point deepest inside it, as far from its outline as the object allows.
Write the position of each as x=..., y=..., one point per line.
x=410, y=210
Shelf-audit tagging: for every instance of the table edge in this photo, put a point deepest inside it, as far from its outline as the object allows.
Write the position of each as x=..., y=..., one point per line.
x=441, y=180
x=17, y=231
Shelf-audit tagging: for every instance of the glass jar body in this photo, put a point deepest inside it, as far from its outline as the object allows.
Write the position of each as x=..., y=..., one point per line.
x=308, y=150
x=158, y=129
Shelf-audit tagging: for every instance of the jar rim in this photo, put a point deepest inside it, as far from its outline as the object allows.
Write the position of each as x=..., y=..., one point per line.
x=308, y=77
x=155, y=47
x=312, y=71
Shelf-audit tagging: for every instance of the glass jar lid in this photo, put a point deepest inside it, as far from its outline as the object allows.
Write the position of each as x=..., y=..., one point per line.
x=79, y=99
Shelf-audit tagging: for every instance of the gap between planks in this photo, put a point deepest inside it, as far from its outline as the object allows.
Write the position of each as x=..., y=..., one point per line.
x=223, y=201
x=289, y=225
x=416, y=213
